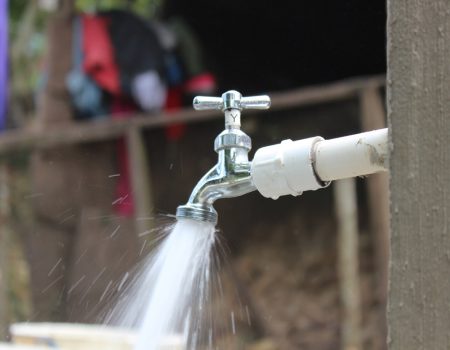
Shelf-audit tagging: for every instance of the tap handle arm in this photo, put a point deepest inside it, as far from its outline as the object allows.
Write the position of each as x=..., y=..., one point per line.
x=205, y=102
x=231, y=100
x=255, y=102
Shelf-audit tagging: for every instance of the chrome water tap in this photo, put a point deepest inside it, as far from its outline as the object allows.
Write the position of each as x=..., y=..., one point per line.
x=230, y=177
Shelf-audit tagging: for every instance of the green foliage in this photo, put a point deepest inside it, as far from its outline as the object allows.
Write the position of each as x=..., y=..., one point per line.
x=17, y=10
x=145, y=8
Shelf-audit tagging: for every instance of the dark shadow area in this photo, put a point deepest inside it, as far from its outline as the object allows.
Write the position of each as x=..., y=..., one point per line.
x=274, y=45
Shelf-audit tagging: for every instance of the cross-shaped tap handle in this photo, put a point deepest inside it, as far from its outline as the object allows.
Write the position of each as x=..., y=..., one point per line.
x=231, y=100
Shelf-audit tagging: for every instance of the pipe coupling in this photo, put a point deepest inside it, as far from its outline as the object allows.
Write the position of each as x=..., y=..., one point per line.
x=286, y=168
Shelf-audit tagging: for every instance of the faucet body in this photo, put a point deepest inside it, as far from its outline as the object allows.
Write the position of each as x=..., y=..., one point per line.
x=231, y=176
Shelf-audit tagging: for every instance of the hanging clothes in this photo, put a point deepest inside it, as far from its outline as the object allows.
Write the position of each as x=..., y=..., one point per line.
x=87, y=98
x=149, y=91
x=185, y=70
x=174, y=103
x=3, y=63
x=136, y=46
x=99, y=61
x=198, y=79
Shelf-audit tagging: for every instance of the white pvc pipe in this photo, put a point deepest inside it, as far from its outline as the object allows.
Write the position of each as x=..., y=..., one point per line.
x=292, y=167
x=286, y=168
x=350, y=156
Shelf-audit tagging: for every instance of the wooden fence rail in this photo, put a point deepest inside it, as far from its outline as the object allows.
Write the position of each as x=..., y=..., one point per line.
x=107, y=129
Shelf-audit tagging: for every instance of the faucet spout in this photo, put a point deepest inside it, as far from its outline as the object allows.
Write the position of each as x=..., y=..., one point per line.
x=230, y=177
x=214, y=186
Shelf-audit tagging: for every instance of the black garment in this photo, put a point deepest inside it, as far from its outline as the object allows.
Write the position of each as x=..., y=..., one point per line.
x=137, y=48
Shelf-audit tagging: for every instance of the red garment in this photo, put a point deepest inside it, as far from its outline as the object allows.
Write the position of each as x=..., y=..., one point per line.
x=204, y=83
x=124, y=204
x=99, y=62
x=174, y=102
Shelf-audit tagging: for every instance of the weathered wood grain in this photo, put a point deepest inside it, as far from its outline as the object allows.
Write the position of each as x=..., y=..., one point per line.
x=418, y=97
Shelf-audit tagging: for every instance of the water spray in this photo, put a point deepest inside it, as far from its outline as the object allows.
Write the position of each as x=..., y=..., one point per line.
x=287, y=168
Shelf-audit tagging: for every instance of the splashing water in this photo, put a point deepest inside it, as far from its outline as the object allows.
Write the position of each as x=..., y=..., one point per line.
x=171, y=295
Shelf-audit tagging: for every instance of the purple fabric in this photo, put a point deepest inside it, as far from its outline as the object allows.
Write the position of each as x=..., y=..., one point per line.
x=3, y=62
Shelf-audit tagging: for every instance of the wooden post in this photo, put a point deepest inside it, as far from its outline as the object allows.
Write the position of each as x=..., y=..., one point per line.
x=348, y=264
x=418, y=85
x=50, y=170
x=55, y=109
x=4, y=244
x=373, y=117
